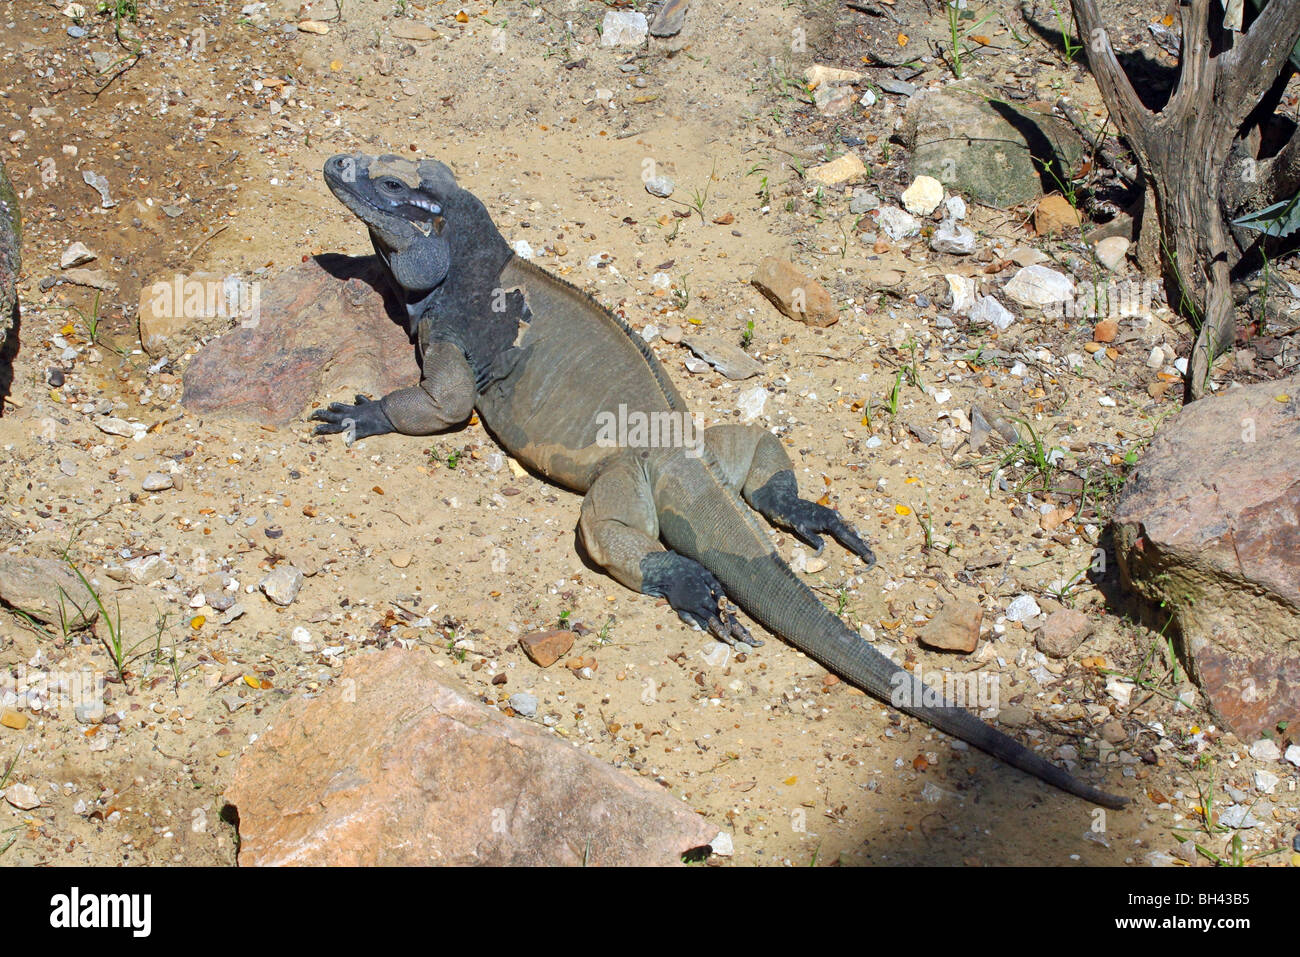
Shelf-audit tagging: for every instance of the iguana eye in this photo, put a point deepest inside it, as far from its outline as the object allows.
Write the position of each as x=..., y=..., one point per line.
x=390, y=185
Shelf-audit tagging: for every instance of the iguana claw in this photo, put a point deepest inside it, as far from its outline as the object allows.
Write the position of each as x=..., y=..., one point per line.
x=357, y=420
x=695, y=595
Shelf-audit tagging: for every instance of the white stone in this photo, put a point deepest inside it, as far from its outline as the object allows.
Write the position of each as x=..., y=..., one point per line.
x=156, y=482
x=282, y=584
x=1266, y=749
x=722, y=845
x=660, y=186
x=1111, y=252
x=896, y=224
x=22, y=796
x=751, y=403
x=868, y=97
x=149, y=569
x=78, y=254
x=961, y=293
x=522, y=249
x=623, y=29
x=1265, y=781
x=954, y=207
x=1022, y=608
x=988, y=310
x=1157, y=357
x=1293, y=754
x=1120, y=689
x=1039, y=286
x=953, y=238
x=924, y=196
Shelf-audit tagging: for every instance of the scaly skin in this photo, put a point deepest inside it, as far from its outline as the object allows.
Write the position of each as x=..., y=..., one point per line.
x=548, y=369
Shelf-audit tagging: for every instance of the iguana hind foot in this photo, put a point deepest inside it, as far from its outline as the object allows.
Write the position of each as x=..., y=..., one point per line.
x=694, y=594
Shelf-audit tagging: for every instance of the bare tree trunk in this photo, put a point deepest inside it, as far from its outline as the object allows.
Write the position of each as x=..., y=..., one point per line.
x=1184, y=149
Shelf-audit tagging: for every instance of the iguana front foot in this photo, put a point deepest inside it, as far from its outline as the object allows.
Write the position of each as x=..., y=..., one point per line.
x=357, y=420
x=694, y=594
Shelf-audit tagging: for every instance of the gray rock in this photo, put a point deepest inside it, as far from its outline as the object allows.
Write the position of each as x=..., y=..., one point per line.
x=897, y=224
x=991, y=312
x=968, y=138
x=660, y=186
x=156, y=482
x=732, y=361
x=100, y=185
x=47, y=590
x=953, y=238
x=669, y=18
x=862, y=201
x=78, y=254
x=898, y=87
x=524, y=704
x=215, y=594
x=282, y=584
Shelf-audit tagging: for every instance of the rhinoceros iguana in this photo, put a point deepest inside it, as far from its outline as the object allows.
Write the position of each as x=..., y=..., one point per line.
x=551, y=373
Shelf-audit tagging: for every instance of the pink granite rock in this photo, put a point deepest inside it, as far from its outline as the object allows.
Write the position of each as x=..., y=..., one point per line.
x=322, y=333
x=395, y=766
x=1209, y=523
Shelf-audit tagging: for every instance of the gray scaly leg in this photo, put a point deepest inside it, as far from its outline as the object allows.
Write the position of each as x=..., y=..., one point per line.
x=620, y=530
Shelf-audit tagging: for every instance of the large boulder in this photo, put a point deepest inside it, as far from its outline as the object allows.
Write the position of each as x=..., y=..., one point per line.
x=394, y=766
x=974, y=142
x=11, y=238
x=322, y=329
x=1209, y=524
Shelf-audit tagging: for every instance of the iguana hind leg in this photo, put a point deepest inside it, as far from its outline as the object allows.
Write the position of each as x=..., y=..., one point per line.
x=755, y=465
x=619, y=528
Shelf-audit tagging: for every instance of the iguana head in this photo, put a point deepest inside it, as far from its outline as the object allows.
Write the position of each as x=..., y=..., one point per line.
x=410, y=207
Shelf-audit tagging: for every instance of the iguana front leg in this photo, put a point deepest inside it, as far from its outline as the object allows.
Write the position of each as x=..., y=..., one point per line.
x=619, y=528
x=444, y=398
x=757, y=467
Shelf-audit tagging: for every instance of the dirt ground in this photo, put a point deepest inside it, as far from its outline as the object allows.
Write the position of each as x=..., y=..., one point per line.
x=212, y=141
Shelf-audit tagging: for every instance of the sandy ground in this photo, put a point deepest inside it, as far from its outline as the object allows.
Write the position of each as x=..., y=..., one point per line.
x=212, y=144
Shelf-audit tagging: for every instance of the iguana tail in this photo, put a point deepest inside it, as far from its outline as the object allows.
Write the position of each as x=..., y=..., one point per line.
x=710, y=524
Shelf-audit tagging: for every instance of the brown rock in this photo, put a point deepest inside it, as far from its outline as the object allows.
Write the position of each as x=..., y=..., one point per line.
x=956, y=627
x=323, y=316
x=1055, y=215
x=47, y=590
x=1105, y=331
x=795, y=294
x=544, y=648
x=1063, y=632
x=1208, y=524
x=395, y=767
